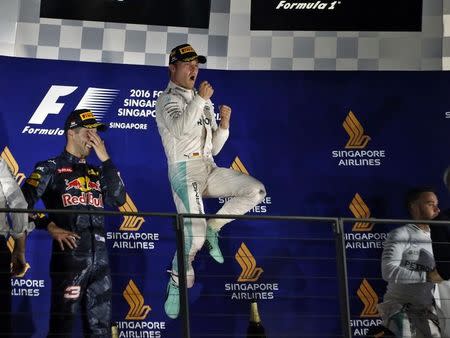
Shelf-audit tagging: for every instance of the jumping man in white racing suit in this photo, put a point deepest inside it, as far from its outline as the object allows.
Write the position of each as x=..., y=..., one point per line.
x=191, y=138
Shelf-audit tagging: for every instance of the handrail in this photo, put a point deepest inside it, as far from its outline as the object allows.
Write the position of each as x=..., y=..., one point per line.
x=337, y=224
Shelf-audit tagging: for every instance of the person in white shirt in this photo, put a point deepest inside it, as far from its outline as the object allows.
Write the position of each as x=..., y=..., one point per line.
x=191, y=137
x=11, y=264
x=408, y=265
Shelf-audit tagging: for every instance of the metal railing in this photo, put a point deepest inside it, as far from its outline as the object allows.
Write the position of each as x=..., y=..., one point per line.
x=337, y=224
x=340, y=258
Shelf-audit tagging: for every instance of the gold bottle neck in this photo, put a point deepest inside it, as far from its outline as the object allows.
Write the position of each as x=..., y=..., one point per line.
x=254, y=314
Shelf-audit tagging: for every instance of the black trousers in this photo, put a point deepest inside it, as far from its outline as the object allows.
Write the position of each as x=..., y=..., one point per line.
x=81, y=283
x=5, y=289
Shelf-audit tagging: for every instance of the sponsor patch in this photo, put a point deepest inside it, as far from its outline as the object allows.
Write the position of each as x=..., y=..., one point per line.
x=86, y=116
x=99, y=238
x=93, y=172
x=187, y=49
x=32, y=182
x=65, y=170
x=72, y=292
x=84, y=199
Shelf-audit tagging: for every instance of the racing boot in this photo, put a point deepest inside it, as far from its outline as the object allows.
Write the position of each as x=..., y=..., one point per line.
x=172, y=304
x=212, y=243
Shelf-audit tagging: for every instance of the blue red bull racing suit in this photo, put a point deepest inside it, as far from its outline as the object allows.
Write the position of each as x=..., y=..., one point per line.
x=80, y=277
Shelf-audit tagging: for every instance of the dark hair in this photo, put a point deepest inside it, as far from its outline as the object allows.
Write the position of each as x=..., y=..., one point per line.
x=414, y=194
x=76, y=130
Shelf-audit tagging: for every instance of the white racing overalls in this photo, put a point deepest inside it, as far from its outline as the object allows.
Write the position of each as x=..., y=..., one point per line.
x=191, y=138
x=408, y=307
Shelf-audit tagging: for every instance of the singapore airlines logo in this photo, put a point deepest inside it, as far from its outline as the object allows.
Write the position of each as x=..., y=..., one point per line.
x=249, y=286
x=361, y=236
x=250, y=272
x=134, y=298
x=130, y=223
x=369, y=298
x=12, y=164
x=239, y=166
x=356, y=153
x=355, y=131
x=360, y=209
x=129, y=237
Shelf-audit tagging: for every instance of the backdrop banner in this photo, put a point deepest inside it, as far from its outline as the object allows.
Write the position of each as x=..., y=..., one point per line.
x=180, y=13
x=335, y=144
x=336, y=15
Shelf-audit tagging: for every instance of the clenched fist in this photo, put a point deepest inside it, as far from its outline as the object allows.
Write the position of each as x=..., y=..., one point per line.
x=225, y=115
x=205, y=90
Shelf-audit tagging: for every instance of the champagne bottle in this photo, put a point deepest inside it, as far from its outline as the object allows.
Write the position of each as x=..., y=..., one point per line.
x=255, y=328
x=114, y=330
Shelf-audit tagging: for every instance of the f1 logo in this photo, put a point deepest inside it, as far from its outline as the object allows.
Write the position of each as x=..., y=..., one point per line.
x=98, y=100
x=49, y=104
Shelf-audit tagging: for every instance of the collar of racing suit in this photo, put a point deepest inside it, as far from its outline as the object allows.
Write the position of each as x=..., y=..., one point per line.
x=72, y=158
x=182, y=90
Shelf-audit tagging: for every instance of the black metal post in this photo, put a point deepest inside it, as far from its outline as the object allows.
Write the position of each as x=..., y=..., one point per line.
x=341, y=262
x=182, y=282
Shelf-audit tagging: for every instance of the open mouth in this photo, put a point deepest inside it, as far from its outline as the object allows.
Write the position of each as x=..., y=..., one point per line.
x=192, y=78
